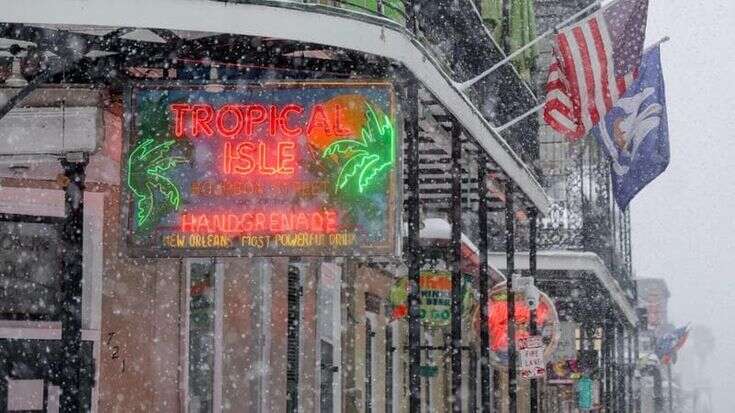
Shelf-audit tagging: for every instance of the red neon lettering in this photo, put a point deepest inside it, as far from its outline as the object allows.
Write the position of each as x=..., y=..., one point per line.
x=244, y=151
x=286, y=222
x=283, y=121
x=203, y=224
x=339, y=130
x=179, y=110
x=330, y=221
x=263, y=166
x=260, y=221
x=202, y=119
x=237, y=120
x=254, y=116
x=302, y=222
x=238, y=159
x=227, y=159
x=286, y=157
x=273, y=125
x=318, y=120
x=241, y=159
x=247, y=222
x=187, y=223
x=232, y=119
x=316, y=221
x=273, y=222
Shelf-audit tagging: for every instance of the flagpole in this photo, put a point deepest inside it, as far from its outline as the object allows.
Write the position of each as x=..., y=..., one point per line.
x=658, y=43
x=520, y=118
x=464, y=85
x=537, y=108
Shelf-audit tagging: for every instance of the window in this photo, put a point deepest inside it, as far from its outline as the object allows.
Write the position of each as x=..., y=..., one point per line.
x=329, y=331
x=204, y=359
x=31, y=270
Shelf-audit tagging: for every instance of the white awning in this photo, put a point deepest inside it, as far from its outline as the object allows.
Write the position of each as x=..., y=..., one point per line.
x=573, y=261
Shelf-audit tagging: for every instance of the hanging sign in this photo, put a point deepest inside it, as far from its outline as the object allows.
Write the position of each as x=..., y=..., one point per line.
x=531, y=357
x=547, y=322
x=436, y=297
x=304, y=168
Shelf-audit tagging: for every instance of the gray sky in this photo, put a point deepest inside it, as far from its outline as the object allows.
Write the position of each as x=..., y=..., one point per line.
x=683, y=222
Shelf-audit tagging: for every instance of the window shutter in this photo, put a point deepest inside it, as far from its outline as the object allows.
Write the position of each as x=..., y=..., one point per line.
x=292, y=351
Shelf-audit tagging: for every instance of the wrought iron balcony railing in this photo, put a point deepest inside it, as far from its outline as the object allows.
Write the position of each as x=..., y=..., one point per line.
x=585, y=216
x=454, y=33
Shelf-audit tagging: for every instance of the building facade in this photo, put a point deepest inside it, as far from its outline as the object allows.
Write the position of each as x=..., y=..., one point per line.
x=248, y=332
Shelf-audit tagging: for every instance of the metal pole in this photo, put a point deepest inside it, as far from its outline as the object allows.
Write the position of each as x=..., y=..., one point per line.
x=456, y=340
x=607, y=354
x=636, y=356
x=510, y=265
x=671, y=392
x=293, y=307
x=414, y=247
x=658, y=397
x=613, y=368
x=71, y=314
x=485, y=389
x=630, y=370
x=620, y=376
x=533, y=327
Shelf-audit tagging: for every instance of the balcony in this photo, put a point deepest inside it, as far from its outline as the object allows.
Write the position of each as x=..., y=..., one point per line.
x=394, y=10
x=584, y=215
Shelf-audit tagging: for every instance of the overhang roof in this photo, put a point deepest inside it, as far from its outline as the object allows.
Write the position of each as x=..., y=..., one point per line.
x=574, y=261
x=293, y=21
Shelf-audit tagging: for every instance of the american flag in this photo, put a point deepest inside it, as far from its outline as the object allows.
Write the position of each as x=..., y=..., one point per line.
x=596, y=61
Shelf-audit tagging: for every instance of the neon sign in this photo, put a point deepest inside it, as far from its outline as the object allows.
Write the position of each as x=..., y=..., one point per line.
x=497, y=321
x=283, y=169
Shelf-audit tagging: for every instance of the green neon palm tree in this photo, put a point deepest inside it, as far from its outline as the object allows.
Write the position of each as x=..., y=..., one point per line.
x=147, y=167
x=367, y=157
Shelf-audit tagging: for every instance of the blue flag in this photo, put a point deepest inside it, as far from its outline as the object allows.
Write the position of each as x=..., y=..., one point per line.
x=635, y=132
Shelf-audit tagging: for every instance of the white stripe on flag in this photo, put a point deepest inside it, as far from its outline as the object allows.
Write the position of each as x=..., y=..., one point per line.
x=560, y=96
x=596, y=71
x=607, y=43
x=554, y=75
x=563, y=120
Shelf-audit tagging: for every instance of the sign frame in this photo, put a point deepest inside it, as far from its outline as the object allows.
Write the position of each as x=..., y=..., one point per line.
x=392, y=246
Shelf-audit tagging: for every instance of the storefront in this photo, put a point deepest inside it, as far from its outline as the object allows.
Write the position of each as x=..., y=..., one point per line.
x=243, y=226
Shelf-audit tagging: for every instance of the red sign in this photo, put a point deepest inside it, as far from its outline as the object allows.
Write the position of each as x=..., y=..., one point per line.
x=546, y=319
x=288, y=169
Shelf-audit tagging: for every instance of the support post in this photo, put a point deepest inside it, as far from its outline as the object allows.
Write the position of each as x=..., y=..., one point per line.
x=533, y=327
x=485, y=389
x=414, y=247
x=71, y=314
x=658, y=396
x=636, y=357
x=620, y=403
x=607, y=355
x=510, y=265
x=293, y=336
x=456, y=255
x=671, y=391
x=613, y=368
x=630, y=371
